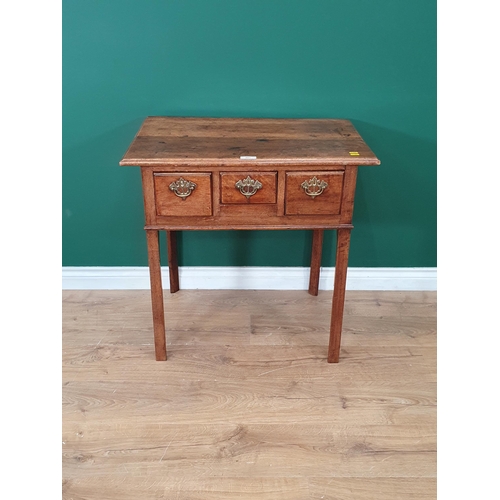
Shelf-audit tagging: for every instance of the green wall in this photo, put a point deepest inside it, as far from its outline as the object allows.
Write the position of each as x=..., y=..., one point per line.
x=371, y=62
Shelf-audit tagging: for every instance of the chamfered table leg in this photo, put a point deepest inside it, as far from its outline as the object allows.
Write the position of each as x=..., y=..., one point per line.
x=343, y=239
x=317, y=247
x=156, y=294
x=173, y=267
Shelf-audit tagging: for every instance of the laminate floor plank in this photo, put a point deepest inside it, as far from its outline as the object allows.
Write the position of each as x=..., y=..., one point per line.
x=132, y=486
x=260, y=450
x=368, y=489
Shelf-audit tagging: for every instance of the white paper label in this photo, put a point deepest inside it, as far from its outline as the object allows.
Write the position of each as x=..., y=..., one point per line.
x=248, y=157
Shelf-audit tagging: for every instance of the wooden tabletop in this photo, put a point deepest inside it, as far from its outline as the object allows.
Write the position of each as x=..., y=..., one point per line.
x=224, y=141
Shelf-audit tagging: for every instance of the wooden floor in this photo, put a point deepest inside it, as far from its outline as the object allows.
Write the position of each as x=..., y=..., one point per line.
x=246, y=406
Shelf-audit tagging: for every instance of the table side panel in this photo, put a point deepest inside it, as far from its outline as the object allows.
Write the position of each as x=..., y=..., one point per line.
x=148, y=192
x=348, y=193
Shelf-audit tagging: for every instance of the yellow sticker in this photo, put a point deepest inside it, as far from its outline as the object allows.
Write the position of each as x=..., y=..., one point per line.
x=353, y=153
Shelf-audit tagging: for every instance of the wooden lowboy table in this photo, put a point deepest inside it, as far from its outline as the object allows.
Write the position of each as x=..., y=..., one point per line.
x=241, y=173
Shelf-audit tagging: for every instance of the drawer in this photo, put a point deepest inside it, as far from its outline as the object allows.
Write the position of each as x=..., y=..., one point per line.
x=247, y=187
x=183, y=194
x=313, y=193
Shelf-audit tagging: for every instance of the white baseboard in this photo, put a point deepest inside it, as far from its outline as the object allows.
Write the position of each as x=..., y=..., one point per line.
x=250, y=278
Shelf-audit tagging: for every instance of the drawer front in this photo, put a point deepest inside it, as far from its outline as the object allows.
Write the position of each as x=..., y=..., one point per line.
x=247, y=187
x=183, y=194
x=313, y=193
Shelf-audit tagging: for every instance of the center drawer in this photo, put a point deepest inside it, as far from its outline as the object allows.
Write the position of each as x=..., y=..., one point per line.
x=247, y=187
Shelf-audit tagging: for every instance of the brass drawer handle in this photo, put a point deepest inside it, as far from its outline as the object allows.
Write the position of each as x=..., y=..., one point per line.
x=314, y=187
x=248, y=187
x=182, y=188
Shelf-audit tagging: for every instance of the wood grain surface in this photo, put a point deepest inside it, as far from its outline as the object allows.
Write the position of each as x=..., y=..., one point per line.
x=223, y=141
x=247, y=406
